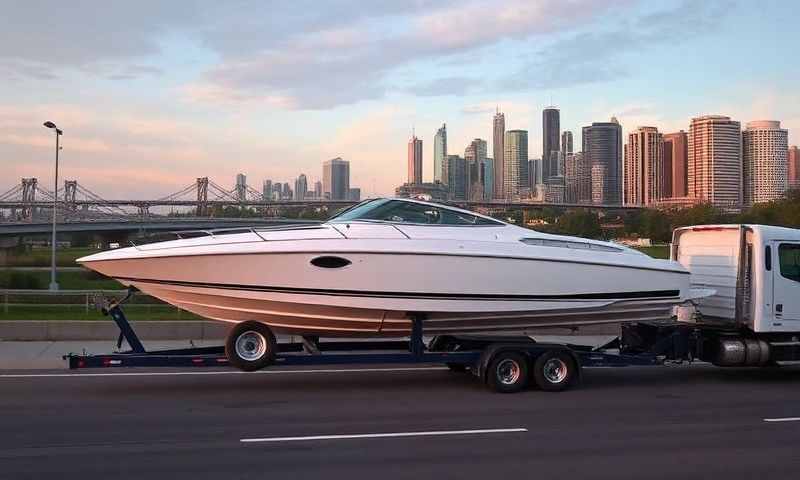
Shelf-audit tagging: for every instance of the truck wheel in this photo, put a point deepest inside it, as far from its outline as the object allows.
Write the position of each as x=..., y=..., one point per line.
x=554, y=371
x=508, y=372
x=250, y=346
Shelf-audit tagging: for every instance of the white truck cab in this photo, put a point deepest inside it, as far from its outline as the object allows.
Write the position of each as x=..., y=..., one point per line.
x=755, y=270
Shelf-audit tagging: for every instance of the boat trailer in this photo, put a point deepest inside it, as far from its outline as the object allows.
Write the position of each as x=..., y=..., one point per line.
x=504, y=363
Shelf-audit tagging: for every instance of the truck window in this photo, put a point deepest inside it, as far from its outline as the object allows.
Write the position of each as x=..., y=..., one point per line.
x=789, y=259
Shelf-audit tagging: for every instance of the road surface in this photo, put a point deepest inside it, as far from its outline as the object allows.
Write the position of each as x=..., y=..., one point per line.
x=386, y=423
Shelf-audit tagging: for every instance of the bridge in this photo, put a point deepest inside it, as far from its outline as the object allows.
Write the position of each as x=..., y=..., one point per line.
x=27, y=208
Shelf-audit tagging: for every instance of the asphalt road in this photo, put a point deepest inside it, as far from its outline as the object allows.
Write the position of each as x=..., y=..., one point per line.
x=658, y=422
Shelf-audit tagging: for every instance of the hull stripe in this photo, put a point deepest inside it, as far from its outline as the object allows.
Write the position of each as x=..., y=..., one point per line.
x=631, y=295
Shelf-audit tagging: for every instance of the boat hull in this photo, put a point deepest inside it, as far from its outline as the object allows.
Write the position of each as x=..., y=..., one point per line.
x=456, y=293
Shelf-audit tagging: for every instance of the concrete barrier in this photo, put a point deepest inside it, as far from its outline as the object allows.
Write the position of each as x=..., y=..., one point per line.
x=65, y=330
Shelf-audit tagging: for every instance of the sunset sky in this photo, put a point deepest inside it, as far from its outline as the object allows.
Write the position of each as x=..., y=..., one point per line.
x=151, y=94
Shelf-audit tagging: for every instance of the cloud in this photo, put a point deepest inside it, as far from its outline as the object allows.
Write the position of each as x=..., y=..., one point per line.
x=594, y=56
x=351, y=60
x=445, y=86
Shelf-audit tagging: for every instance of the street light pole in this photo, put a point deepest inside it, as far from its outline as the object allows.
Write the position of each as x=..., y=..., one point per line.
x=53, y=282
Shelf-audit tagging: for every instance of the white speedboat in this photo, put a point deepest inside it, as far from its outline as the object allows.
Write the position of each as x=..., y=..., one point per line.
x=370, y=269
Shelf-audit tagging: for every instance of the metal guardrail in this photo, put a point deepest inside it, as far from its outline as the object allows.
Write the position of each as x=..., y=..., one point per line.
x=75, y=298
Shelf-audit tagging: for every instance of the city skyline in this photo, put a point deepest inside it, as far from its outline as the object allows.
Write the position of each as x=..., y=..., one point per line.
x=215, y=92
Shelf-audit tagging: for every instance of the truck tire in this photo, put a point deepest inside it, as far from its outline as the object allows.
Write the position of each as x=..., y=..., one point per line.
x=554, y=370
x=508, y=372
x=250, y=346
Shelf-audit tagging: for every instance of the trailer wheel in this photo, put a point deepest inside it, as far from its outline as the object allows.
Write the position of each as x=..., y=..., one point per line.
x=250, y=346
x=508, y=372
x=554, y=371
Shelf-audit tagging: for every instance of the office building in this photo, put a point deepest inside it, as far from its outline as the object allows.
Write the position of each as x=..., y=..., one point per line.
x=566, y=143
x=551, y=133
x=516, y=163
x=793, y=162
x=241, y=187
x=644, y=158
x=488, y=178
x=676, y=152
x=765, y=146
x=602, y=147
x=414, y=160
x=534, y=172
x=440, y=155
x=577, y=179
x=318, y=190
x=336, y=179
x=266, y=190
x=498, y=151
x=354, y=194
x=300, y=187
x=714, y=168
x=288, y=194
x=475, y=156
x=457, y=177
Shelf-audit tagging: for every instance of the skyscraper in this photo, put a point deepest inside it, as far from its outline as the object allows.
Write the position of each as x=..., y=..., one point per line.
x=516, y=160
x=793, y=161
x=498, y=150
x=318, y=190
x=676, y=151
x=241, y=187
x=475, y=156
x=488, y=178
x=457, y=177
x=577, y=179
x=277, y=191
x=300, y=187
x=414, y=160
x=354, y=195
x=644, y=158
x=336, y=179
x=765, y=146
x=440, y=155
x=534, y=172
x=714, y=172
x=551, y=131
x=287, y=191
x=566, y=142
x=266, y=190
x=602, y=145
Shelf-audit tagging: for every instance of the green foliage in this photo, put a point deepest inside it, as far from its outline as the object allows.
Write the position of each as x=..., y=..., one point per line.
x=581, y=223
x=21, y=280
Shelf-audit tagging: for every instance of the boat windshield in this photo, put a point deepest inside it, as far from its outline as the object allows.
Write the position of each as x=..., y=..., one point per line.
x=399, y=211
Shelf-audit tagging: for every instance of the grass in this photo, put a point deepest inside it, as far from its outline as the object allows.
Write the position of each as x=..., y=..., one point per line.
x=656, y=251
x=79, y=312
x=40, y=257
x=71, y=280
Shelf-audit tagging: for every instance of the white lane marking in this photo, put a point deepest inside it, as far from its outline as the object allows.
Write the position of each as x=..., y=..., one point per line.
x=785, y=419
x=383, y=435
x=230, y=372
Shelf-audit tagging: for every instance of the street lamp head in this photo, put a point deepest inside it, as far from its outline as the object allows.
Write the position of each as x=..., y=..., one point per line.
x=49, y=124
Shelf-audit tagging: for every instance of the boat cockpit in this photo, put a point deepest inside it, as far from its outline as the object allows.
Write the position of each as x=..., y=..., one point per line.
x=402, y=211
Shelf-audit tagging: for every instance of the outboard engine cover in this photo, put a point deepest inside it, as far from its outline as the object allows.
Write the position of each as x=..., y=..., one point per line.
x=740, y=352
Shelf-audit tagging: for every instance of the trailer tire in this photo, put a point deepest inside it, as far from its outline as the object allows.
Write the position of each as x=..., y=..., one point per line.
x=508, y=372
x=554, y=370
x=250, y=346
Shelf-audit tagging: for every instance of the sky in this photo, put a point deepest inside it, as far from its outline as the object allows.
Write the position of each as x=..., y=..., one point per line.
x=152, y=94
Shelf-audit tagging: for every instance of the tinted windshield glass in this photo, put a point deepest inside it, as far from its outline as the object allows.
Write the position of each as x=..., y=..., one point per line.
x=397, y=211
